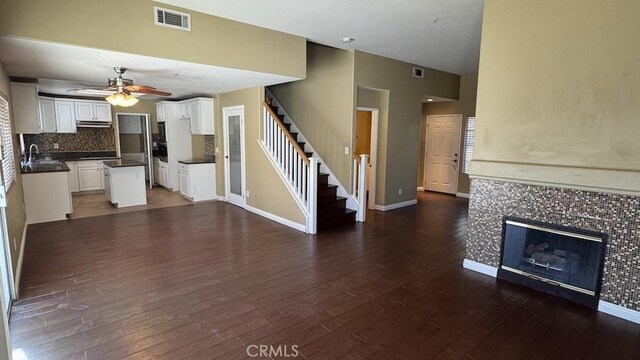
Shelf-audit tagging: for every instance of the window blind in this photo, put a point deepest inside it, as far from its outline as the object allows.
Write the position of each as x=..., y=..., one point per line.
x=6, y=144
x=469, y=142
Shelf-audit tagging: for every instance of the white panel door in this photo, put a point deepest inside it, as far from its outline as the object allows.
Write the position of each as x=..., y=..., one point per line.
x=47, y=115
x=90, y=178
x=84, y=110
x=65, y=116
x=102, y=111
x=442, y=153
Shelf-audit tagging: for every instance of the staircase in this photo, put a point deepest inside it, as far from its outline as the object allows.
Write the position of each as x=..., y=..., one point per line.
x=331, y=209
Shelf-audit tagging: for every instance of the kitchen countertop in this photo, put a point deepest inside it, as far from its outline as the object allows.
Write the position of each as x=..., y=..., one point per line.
x=197, y=161
x=123, y=163
x=78, y=155
x=36, y=168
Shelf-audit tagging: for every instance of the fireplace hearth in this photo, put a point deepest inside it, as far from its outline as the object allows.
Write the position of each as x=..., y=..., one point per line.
x=558, y=260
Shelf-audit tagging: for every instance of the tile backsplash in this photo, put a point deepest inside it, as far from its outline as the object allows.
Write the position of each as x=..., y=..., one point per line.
x=209, y=145
x=86, y=139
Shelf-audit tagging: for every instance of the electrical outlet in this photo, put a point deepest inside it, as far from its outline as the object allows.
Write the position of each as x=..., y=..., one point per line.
x=216, y=150
x=56, y=146
x=400, y=191
x=346, y=150
x=247, y=193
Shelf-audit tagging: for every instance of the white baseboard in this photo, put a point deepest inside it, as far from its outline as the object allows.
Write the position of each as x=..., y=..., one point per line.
x=221, y=198
x=396, y=205
x=603, y=306
x=619, y=311
x=16, y=282
x=420, y=188
x=462, y=195
x=276, y=218
x=479, y=267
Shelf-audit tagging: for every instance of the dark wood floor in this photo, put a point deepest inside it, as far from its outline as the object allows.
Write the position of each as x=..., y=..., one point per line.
x=208, y=280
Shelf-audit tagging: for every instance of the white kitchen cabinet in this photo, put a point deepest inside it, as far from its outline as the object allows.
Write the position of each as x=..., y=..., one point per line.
x=65, y=116
x=47, y=115
x=161, y=113
x=197, y=181
x=46, y=196
x=24, y=102
x=200, y=112
x=73, y=176
x=90, y=175
x=164, y=175
x=184, y=109
x=87, y=110
x=125, y=186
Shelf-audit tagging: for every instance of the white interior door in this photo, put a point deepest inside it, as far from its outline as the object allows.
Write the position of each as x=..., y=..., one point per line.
x=234, y=169
x=442, y=153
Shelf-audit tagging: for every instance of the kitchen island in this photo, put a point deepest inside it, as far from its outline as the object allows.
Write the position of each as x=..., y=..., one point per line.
x=124, y=182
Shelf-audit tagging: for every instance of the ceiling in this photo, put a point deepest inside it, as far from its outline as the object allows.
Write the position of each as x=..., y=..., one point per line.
x=440, y=34
x=85, y=67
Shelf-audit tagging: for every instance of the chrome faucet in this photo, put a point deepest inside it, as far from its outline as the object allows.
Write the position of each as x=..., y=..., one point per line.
x=31, y=158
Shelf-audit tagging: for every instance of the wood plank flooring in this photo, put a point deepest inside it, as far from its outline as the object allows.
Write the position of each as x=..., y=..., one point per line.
x=207, y=281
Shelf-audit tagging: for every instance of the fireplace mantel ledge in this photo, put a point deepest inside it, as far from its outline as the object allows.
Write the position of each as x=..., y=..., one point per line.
x=603, y=306
x=623, y=182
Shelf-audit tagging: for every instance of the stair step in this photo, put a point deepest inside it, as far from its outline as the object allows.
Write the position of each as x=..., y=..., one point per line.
x=323, y=179
x=346, y=217
x=333, y=205
x=309, y=154
x=326, y=191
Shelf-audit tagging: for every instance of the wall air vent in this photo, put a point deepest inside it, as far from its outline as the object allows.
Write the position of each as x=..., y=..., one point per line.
x=172, y=19
x=418, y=72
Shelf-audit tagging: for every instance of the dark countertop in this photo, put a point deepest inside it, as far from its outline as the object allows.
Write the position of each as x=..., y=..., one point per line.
x=36, y=168
x=123, y=163
x=197, y=161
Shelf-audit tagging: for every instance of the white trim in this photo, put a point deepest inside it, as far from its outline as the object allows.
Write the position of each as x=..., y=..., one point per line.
x=603, y=306
x=16, y=288
x=397, y=205
x=479, y=267
x=221, y=198
x=619, y=311
x=426, y=151
x=373, y=157
x=462, y=195
x=420, y=188
x=227, y=165
x=276, y=218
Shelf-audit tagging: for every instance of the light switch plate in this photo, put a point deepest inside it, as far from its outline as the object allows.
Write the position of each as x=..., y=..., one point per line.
x=346, y=150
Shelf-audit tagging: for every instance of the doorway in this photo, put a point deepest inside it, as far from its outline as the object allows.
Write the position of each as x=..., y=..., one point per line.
x=367, y=143
x=442, y=157
x=134, y=141
x=234, y=161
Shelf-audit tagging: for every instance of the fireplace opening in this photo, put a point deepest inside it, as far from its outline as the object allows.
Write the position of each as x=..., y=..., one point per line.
x=558, y=260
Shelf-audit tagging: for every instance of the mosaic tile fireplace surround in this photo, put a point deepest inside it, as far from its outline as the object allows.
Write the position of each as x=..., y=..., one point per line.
x=618, y=216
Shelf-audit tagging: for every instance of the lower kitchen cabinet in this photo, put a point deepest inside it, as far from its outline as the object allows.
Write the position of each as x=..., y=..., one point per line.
x=161, y=171
x=197, y=181
x=73, y=176
x=90, y=175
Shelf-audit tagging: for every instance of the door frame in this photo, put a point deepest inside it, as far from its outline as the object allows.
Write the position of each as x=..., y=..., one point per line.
x=375, y=112
x=149, y=140
x=426, y=151
x=225, y=133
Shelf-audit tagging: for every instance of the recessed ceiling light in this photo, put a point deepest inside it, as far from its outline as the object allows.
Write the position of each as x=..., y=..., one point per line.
x=347, y=39
x=429, y=100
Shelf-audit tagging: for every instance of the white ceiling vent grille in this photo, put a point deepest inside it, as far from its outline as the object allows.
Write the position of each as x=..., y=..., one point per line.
x=418, y=72
x=172, y=19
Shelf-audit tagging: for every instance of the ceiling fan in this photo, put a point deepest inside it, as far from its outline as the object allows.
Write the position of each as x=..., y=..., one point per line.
x=121, y=90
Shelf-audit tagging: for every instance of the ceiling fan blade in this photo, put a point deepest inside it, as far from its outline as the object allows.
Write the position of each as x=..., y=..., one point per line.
x=147, y=90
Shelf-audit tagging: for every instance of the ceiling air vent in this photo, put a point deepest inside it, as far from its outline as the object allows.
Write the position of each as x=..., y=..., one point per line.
x=418, y=72
x=172, y=19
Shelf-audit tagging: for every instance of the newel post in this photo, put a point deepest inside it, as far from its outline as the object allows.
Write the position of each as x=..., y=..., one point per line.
x=362, y=188
x=312, y=202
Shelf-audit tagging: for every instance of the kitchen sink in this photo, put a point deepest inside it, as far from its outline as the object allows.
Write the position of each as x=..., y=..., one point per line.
x=46, y=162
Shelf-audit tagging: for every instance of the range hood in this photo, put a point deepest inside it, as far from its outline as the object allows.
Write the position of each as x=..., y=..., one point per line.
x=96, y=123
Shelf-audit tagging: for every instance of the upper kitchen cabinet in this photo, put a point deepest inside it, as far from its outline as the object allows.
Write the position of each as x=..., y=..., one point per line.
x=86, y=110
x=24, y=101
x=65, y=116
x=47, y=114
x=161, y=112
x=200, y=111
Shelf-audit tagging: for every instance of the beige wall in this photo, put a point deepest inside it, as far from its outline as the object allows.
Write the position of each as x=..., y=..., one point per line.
x=322, y=106
x=16, y=217
x=399, y=127
x=267, y=191
x=127, y=26
x=466, y=105
x=558, y=91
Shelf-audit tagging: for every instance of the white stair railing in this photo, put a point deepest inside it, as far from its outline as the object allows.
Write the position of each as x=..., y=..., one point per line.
x=299, y=172
x=359, y=185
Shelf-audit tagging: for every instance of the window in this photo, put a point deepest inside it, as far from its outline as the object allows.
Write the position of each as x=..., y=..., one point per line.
x=469, y=141
x=8, y=165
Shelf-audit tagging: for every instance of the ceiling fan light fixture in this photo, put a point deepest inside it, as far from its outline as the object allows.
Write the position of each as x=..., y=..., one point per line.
x=121, y=99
